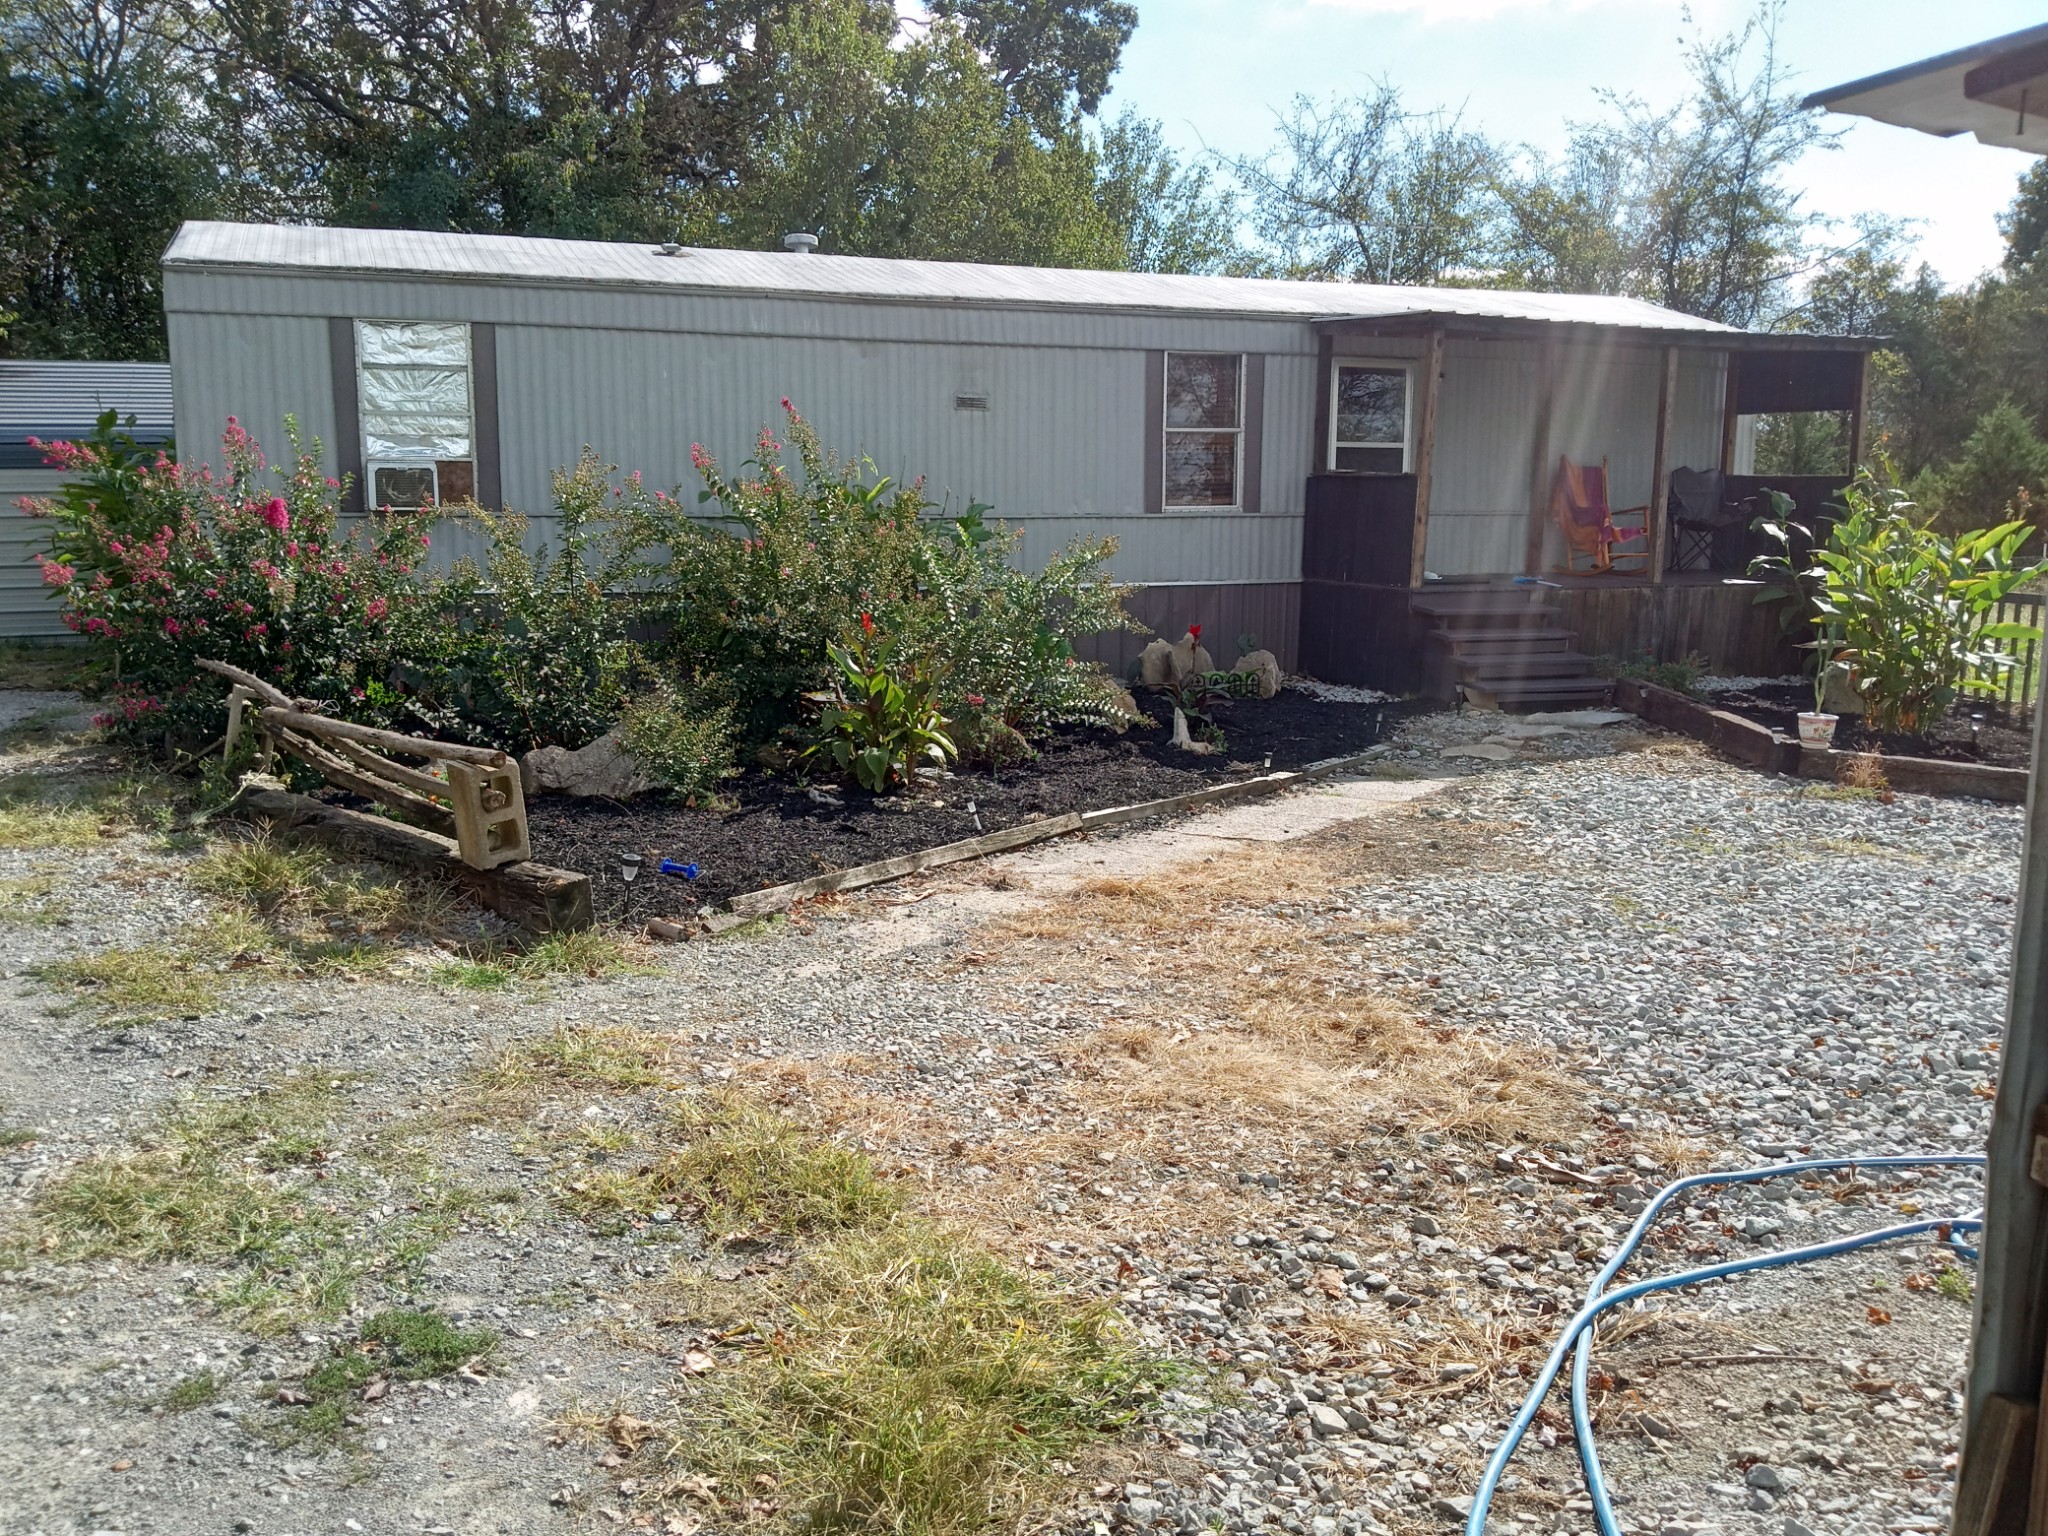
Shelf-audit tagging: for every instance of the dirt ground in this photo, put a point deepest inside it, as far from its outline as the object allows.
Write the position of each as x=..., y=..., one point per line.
x=1216, y=1073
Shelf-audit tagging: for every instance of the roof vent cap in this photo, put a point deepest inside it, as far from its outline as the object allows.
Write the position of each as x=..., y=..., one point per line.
x=799, y=243
x=671, y=248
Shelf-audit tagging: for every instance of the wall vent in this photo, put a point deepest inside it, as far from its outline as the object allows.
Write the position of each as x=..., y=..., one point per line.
x=970, y=402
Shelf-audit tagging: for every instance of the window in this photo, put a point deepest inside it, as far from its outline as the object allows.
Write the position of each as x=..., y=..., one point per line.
x=1204, y=429
x=419, y=437
x=1369, y=418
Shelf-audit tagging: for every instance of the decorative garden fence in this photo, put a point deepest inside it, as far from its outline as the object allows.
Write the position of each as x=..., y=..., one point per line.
x=2017, y=688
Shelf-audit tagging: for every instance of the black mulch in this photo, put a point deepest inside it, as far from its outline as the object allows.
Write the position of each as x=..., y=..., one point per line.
x=777, y=832
x=2004, y=742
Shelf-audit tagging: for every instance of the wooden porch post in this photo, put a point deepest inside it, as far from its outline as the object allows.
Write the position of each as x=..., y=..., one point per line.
x=1660, y=467
x=1729, y=414
x=1857, y=412
x=1425, y=455
x=1539, y=459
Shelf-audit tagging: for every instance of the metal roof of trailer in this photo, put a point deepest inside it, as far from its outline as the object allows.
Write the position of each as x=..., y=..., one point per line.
x=57, y=399
x=511, y=259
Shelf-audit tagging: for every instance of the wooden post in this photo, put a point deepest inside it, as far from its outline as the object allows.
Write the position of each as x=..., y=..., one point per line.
x=1660, y=468
x=1425, y=456
x=1540, y=466
x=1729, y=415
x=1858, y=412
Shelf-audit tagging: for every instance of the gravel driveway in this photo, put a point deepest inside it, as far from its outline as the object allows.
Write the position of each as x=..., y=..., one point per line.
x=1703, y=965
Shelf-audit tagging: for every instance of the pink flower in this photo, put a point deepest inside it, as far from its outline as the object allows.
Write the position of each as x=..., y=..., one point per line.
x=291, y=550
x=277, y=515
x=699, y=459
x=976, y=700
x=785, y=403
x=57, y=574
x=376, y=608
x=172, y=627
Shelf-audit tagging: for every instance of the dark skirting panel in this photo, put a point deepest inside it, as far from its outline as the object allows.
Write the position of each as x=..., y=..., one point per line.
x=1359, y=529
x=1362, y=635
x=1267, y=611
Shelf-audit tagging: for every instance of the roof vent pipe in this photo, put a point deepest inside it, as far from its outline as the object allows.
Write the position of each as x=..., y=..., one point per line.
x=671, y=248
x=799, y=244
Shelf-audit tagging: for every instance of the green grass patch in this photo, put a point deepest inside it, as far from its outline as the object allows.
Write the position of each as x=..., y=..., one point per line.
x=26, y=903
x=17, y=1136
x=395, y=1346
x=1954, y=1284
x=69, y=810
x=584, y=1058
x=170, y=980
x=194, y=1391
x=917, y=1386
x=739, y=1169
x=51, y=667
x=593, y=953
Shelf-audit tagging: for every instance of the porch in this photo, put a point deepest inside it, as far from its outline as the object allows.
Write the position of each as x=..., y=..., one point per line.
x=1453, y=576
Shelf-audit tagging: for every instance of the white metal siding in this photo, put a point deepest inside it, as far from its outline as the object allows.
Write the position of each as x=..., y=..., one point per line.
x=257, y=368
x=26, y=606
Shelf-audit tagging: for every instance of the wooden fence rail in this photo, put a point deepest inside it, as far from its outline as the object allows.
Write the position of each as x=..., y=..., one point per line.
x=2017, y=688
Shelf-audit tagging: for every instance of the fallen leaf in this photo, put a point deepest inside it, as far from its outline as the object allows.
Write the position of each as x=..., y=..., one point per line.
x=627, y=1432
x=122, y=1466
x=375, y=1390
x=292, y=1395
x=1878, y=1316
x=1331, y=1283
x=682, y=1525
x=696, y=1362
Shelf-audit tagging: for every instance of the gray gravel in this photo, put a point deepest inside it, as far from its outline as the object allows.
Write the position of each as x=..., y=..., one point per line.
x=1733, y=963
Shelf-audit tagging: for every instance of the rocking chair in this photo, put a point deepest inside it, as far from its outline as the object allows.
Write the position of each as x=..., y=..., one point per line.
x=1591, y=528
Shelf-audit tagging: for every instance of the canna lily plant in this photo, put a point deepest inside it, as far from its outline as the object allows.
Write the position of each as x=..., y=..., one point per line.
x=1908, y=612
x=876, y=723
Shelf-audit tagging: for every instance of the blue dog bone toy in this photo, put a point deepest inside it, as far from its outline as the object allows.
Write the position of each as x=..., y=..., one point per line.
x=671, y=867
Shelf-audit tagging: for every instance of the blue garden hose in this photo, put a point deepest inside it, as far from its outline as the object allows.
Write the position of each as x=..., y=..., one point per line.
x=1577, y=1337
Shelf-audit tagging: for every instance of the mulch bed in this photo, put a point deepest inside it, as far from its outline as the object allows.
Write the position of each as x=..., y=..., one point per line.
x=774, y=831
x=2005, y=742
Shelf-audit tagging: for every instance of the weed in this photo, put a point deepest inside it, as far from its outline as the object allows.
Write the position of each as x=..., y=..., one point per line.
x=170, y=980
x=592, y=1058
x=915, y=1385
x=742, y=1168
x=23, y=901
x=1680, y=676
x=258, y=870
x=595, y=952
x=17, y=1136
x=194, y=1391
x=1954, y=1284
x=395, y=1346
x=1865, y=771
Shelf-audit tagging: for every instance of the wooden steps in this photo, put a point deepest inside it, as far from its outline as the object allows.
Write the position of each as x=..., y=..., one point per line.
x=1503, y=648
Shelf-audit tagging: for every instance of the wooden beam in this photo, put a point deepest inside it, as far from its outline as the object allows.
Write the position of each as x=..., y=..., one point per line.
x=1326, y=356
x=538, y=898
x=1540, y=465
x=338, y=773
x=1729, y=415
x=1857, y=414
x=392, y=741
x=1425, y=456
x=1660, y=468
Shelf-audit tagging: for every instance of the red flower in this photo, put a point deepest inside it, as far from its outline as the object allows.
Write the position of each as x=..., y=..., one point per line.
x=867, y=624
x=976, y=700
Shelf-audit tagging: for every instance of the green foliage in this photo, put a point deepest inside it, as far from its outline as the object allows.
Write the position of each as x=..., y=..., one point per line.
x=1167, y=214
x=199, y=566
x=1905, y=609
x=106, y=495
x=528, y=650
x=875, y=722
x=1680, y=676
x=2001, y=471
x=681, y=742
x=750, y=603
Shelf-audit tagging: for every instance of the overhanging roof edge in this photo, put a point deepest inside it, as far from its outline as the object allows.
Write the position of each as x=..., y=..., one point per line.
x=1904, y=72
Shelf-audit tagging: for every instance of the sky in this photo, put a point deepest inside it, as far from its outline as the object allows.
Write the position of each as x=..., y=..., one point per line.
x=1213, y=71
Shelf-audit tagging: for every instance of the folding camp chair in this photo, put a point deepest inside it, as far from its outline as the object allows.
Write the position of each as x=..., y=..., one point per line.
x=1705, y=526
x=1591, y=528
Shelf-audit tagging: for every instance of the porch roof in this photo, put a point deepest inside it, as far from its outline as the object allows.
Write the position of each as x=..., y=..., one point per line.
x=1984, y=89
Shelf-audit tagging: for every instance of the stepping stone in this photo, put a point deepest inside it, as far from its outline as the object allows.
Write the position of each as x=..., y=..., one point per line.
x=1579, y=719
x=1525, y=730
x=1490, y=751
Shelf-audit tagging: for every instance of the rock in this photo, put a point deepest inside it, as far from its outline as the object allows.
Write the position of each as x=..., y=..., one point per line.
x=1765, y=1476
x=1489, y=751
x=1578, y=719
x=1156, y=665
x=1426, y=1226
x=1189, y=656
x=1326, y=1421
x=1655, y=1427
x=1129, y=706
x=1793, y=1527
x=602, y=770
x=1457, y=1508
x=1263, y=665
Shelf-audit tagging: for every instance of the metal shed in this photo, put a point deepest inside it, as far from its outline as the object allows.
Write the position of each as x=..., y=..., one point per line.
x=48, y=401
x=1055, y=396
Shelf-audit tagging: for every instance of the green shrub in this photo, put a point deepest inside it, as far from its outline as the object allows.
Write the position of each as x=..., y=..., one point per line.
x=1907, y=610
x=682, y=743
x=750, y=600
x=184, y=564
x=528, y=649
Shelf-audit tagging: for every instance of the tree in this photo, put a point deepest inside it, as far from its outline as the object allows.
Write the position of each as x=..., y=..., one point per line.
x=1167, y=215
x=2001, y=472
x=1367, y=191
x=1052, y=57
x=100, y=170
x=2025, y=223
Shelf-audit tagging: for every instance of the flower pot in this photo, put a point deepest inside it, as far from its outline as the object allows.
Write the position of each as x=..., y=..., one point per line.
x=1817, y=730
